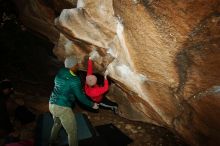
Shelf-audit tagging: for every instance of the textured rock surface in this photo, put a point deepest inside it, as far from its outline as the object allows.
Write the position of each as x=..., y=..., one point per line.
x=162, y=55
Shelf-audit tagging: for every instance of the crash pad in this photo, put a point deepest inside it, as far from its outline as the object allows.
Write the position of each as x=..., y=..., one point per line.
x=85, y=130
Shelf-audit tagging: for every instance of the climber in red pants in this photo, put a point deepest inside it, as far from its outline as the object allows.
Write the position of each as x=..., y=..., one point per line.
x=94, y=91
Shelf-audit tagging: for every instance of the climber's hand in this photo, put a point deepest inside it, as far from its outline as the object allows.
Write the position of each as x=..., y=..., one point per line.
x=95, y=106
x=106, y=73
x=94, y=54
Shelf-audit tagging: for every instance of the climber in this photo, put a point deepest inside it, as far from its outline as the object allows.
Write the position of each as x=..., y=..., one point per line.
x=67, y=88
x=94, y=91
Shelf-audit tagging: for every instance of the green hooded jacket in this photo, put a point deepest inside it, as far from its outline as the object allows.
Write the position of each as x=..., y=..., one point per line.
x=67, y=88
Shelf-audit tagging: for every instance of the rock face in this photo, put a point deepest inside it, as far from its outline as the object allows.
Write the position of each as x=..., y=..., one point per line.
x=163, y=56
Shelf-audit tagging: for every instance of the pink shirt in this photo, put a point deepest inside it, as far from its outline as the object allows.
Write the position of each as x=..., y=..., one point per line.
x=96, y=92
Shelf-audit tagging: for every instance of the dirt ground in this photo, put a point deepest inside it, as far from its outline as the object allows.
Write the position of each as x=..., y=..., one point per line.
x=35, y=97
x=143, y=134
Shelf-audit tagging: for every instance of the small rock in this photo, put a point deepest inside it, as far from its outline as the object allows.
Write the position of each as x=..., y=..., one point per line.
x=134, y=131
x=121, y=122
x=119, y=126
x=139, y=127
x=128, y=127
